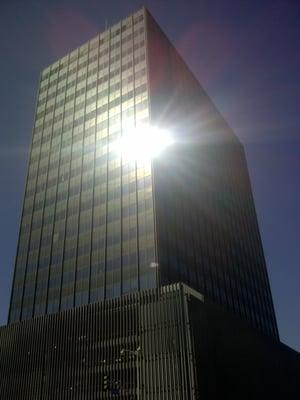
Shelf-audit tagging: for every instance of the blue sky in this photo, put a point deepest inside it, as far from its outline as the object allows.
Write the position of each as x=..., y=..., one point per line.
x=247, y=57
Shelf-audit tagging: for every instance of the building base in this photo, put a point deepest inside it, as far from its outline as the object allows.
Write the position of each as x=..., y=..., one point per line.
x=158, y=344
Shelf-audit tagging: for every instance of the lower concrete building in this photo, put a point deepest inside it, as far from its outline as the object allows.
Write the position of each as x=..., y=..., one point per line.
x=167, y=343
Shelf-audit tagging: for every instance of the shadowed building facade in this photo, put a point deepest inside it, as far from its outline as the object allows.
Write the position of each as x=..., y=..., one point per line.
x=96, y=225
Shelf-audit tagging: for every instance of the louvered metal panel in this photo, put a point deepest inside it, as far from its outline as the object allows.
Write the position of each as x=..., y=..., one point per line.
x=76, y=354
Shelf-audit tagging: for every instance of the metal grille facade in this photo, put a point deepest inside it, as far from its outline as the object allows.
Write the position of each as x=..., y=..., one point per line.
x=161, y=344
x=77, y=354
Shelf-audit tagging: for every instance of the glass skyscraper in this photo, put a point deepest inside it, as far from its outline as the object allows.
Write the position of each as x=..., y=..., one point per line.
x=97, y=225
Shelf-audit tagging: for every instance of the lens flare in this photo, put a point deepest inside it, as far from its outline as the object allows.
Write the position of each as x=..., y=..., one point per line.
x=142, y=143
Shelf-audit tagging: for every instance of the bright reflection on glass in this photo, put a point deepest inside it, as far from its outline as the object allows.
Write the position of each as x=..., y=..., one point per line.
x=142, y=143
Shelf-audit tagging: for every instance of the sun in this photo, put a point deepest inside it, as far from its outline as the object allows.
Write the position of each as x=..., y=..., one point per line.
x=142, y=143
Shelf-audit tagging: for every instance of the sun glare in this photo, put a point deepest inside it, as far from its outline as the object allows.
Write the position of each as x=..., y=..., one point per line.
x=143, y=143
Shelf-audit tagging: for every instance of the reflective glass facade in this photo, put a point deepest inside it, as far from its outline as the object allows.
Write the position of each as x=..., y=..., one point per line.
x=94, y=225
x=87, y=229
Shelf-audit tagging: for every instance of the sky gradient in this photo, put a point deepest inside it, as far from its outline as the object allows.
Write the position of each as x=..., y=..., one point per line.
x=247, y=57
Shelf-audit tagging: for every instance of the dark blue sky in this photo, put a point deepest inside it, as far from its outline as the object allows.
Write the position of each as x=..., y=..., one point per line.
x=245, y=53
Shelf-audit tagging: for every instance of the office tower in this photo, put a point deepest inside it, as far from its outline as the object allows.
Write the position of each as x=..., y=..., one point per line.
x=98, y=223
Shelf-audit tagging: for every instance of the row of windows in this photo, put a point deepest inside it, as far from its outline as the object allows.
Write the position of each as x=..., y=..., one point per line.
x=108, y=127
x=69, y=264
x=92, y=44
x=82, y=250
x=101, y=185
x=90, y=96
x=82, y=89
x=104, y=165
x=115, y=209
x=115, y=190
x=103, y=105
x=86, y=233
x=55, y=275
x=99, y=207
x=106, y=156
x=82, y=72
x=93, y=68
x=115, y=97
x=86, y=90
x=115, y=212
x=81, y=296
x=128, y=185
x=91, y=74
x=78, y=160
x=89, y=151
